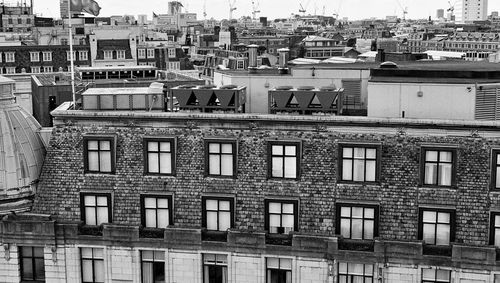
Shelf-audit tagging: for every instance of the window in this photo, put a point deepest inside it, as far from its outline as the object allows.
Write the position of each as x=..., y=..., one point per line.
x=278, y=270
x=214, y=268
x=495, y=229
x=240, y=64
x=220, y=158
x=99, y=155
x=357, y=222
x=284, y=160
x=64, y=41
x=83, y=55
x=151, y=53
x=156, y=211
x=359, y=163
x=174, y=65
x=152, y=64
x=47, y=56
x=355, y=272
x=35, y=69
x=218, y=213
x=10, y=70
x=68, y=55
x=32, y=265
x=96, y=208
x=171, y=53
x=438, y=167
x=141, y=53
x=47, y=69
x=35, y=56
x=108, y=54
x=436, y=226
x=435, y=275
x=159, y=156
x=495, y=174
x=153, y=266
x=281, y=216
x=92, y=265
x=120, y=54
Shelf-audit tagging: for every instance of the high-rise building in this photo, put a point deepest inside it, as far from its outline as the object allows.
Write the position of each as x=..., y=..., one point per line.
x=440, y=13
x=471, y=10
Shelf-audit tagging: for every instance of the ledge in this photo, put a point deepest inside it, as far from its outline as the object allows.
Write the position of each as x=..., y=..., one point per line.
x=474, y=254
x=121, y=233
x=185, y=237
x=248, y=239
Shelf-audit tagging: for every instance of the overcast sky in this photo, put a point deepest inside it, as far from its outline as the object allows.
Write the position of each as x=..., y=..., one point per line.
x=353, y=9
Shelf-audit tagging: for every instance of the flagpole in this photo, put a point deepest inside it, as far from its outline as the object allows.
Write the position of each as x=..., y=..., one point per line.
x=71, y=55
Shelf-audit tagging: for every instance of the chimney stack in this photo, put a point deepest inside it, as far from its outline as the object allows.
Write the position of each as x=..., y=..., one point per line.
x=284, y=56
x=252, y=58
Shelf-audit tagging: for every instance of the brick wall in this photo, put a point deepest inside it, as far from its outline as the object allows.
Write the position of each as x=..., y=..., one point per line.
x=399, y=192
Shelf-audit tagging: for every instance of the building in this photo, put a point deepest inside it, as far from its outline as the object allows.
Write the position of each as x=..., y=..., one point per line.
x=41, y=58
x=440, y=14
x=18, y=17
x=446, y=91
x=318, y=47
x=21, y=154
x=471, y=10
x=192, y=197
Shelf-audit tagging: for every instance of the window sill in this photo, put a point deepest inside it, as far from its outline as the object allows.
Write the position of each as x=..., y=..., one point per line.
x=342, y=182
x=90, y=230
x=154, y=233
x=452, y=187
x=279, y=239
x=213, y=236
x=283, y=179
x=437, y=250
x=220, y=177
x=100, y=173
x=151, y=175
x=357, y=245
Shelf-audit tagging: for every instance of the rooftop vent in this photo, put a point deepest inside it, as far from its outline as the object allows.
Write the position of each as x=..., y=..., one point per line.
x=228, y=87
x=285, y=87
x=388, y=65
x=207, y=86
x=305, y=88
x=187, y=86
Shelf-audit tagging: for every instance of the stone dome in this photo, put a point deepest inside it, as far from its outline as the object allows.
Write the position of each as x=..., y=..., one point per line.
x=21, y=152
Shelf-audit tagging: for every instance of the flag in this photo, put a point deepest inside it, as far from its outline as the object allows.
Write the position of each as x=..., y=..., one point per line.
x=87, y=6
x=155, y=15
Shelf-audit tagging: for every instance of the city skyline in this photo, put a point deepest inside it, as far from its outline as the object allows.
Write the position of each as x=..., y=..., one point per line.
x=219, y=9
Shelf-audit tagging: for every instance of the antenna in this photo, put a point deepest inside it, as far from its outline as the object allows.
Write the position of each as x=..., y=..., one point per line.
x=255, y=9
x=232, y=8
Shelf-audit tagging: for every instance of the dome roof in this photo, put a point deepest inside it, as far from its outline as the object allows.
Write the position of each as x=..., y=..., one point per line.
x=21, y=152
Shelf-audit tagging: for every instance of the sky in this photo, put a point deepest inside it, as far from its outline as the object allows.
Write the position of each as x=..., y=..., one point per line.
x=219, y=9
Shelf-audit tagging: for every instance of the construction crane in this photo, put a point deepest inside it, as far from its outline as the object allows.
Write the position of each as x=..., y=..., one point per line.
x=255, y=9
x=451, y=9
x=405, y=10
x=303, y=9
x=232, y=8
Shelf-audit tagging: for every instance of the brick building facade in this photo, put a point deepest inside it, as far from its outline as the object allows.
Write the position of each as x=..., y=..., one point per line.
x=262, y=198
x=41, y=58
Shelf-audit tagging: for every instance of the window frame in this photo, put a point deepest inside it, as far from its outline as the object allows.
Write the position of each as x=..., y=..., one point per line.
x=350, y=276
x=378, y=162
x=439, y=149
x=47, y=56
x=268, y=269
x=495, y=153
x=141, y=53
x=452, y=213
x=108, y=54
x=112, y=140
x=216, y=264
x=338, y=219
x=10, y=57
x=153, y=261
x=492, y=227
x=173, y=150
x=93, y=260
x=435, y=276
x=298, y=145
x=169, y=198
x=121, y=54
x=281, y=201
x=149, y=52
x=48, y=69
x=33, y=263
x=82, y=206
x=234, y=145
x=218, y=199
x=83, y=55
x=34, y=56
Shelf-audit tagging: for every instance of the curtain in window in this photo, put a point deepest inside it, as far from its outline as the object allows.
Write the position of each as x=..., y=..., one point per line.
x=147, y=272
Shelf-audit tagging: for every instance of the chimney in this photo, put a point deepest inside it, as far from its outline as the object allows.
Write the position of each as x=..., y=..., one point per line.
x=381, y=55
x=252, y=58
x=284, y=55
